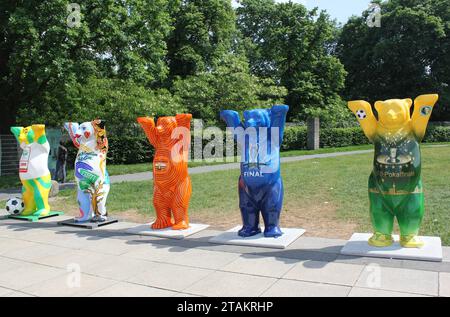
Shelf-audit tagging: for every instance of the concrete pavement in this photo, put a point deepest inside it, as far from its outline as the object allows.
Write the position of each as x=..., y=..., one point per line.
x=46, y=260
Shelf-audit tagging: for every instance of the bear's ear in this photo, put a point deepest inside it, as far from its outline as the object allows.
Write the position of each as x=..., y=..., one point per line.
x=408, y=103
x=16, y=131
x=101, y=124
x=379, y=105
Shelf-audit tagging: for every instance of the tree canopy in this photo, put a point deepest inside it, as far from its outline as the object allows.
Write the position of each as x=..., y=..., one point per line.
x=407, y=56
x=157, y=57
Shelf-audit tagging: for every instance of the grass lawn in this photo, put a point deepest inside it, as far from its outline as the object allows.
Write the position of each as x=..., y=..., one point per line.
x=328, y=197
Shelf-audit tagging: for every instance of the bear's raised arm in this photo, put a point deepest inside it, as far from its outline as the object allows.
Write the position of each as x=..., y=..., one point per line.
x=39, y=133
x=231, y=118
x=16, y=131
x=423, y=107
x=184, y=120
x=278, y=116
x=363, y=111
x=148, y=124
x=72, y=128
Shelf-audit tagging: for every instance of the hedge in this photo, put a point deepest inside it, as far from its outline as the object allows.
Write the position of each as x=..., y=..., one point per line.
x=136, y=149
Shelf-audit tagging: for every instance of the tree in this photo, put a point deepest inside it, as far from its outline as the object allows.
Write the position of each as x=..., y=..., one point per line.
x=41, y=56
x=407, y=56
x=203, y=33
x=294, y=46
x=229, y=85
x=117, y=101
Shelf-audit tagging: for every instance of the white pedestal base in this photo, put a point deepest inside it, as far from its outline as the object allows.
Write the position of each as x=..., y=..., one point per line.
x=231, y=237
x=146, y=230
x=358, y=246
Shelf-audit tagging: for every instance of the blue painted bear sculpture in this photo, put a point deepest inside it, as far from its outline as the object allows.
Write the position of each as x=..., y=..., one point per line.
x=260, y=184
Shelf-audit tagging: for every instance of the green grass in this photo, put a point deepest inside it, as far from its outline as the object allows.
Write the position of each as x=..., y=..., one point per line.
x=330, y=191
x=8, y=181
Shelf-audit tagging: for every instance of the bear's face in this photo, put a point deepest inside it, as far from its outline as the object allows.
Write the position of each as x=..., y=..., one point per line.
x=92, y=132
x=394, y=113
x=256, y=118
x=26, y=136
x=85, y=133
x=165, y=126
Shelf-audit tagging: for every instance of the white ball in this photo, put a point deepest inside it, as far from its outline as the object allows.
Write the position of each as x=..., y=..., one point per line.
x=15, y=206
x=361, y=114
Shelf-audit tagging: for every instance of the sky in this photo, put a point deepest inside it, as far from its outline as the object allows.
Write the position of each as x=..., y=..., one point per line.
x=340, y=10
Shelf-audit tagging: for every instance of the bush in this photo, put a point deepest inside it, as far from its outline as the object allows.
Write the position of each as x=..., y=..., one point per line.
x=294, y=138
x=437, y=134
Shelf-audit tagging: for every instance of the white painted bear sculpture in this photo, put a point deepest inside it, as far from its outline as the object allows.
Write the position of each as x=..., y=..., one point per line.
x=90, y=169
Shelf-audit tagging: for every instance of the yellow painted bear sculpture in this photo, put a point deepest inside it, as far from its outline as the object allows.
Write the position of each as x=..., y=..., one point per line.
x=395, y=184
x=33, y=169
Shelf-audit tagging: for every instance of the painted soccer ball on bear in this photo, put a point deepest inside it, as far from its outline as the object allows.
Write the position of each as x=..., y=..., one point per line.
x=15, y=206
x=361, y=114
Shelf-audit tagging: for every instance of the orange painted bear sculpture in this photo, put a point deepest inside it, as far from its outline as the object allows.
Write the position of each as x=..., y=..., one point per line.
x=171, y=138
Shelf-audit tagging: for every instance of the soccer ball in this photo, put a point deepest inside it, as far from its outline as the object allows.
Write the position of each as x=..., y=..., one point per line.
x=361, y=114
x=15, y=206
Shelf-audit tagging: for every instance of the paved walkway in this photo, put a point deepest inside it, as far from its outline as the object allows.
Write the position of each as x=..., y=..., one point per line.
x=46, y=260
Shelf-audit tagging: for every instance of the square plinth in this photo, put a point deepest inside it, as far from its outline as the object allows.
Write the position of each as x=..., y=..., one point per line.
x=87, y=225
x=36, y=218
x=146, y=230
x=231, y=237
x=358, y=246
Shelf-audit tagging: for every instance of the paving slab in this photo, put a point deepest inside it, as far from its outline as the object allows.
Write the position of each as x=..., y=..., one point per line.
x=200, y=258
x=367, y=292
x=333, y=246
x=289, y=288
x=123, y=289
x=261, y=266
x=108, y=246
x=81, y=258
x=444, y=284
x=146, y=230
x=325, y=272
x=27, y=275
x=10, y=264
x=18, y=295
x=225, y=284
x=154, y=252
x=399, y=280
x=31, y=254
x=117, y=268
x=358, y=246
x=170, y=277
x=231, y=237
x=69, y=286
x=5, y=291
x=7, y=245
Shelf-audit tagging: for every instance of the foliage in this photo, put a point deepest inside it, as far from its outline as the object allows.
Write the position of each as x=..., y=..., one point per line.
x=293, y=46
x=228, y=86
x=119, y=102
x=407, y=56
x=203, y=32
x=41, y=57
